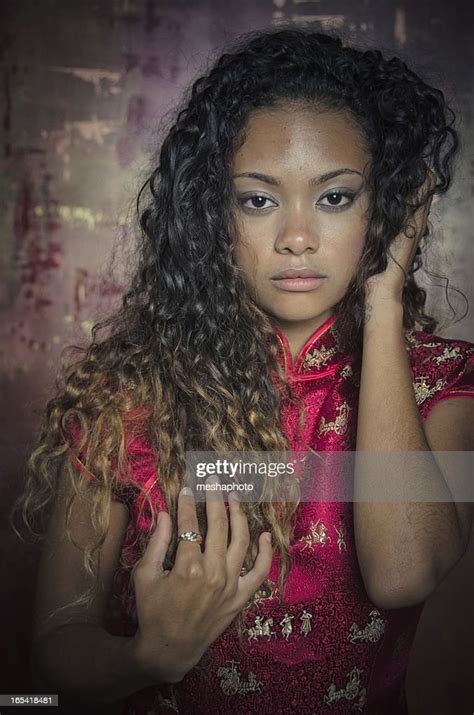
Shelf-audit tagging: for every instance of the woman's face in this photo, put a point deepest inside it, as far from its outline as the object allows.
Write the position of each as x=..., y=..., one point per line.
x=301, y=203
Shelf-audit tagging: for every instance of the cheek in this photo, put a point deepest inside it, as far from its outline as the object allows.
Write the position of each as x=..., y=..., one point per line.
x=357, y=247
x=242, y=253
x=249, y=247
x=348, y=254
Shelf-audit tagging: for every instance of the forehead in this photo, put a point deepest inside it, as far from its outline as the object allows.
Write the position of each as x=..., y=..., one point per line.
x=303, y=136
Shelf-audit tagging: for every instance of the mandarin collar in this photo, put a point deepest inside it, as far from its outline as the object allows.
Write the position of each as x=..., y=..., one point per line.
x=320, y=355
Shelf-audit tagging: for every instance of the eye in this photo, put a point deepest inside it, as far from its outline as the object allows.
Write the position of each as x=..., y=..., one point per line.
x=337, y=199
x=258, y=202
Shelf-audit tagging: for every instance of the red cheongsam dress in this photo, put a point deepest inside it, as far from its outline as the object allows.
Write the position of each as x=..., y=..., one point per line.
x=328, y=650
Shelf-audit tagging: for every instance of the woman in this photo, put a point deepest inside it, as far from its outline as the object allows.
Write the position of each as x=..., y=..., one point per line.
x=275, y=307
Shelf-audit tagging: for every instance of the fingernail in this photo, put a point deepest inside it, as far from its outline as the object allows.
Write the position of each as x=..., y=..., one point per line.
x=268, y=536
x=187, y=491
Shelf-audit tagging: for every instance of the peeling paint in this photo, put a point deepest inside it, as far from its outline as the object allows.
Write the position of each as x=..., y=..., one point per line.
x=75, y=215
x=399, y=28
x=87, y=326
x=93, y=130
x=327, y=22
x=92, y=76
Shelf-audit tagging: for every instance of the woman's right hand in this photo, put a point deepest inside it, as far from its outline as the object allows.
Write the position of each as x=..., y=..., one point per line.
x=182, y=611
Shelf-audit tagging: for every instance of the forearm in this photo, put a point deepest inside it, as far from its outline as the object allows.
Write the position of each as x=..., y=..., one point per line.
x=417, y=541
x=85, y=662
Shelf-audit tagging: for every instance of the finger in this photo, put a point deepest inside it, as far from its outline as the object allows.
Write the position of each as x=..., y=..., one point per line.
x=217, y=523
x=421, y=219
x=430, y=179
x=428, y=185
x=152, y=560
x=187, y=521
x=251, y=582
x=240, y=536
x=415, y=228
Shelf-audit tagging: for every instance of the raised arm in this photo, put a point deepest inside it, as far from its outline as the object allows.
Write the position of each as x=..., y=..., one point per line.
x=404, y=548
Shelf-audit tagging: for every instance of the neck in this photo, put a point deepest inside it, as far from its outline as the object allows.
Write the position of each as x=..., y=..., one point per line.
x=298, y=332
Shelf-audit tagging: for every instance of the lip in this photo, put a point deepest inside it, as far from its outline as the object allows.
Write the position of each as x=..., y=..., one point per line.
x=303, y=272
x=298, y=284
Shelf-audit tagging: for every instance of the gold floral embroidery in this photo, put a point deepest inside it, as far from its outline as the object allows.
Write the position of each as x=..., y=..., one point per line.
x=339, y=425
x=318, y=534
x=318, y=357
x=286, y=626
x=347, y=372
x=305, y=619
x=231, y=684
x=340, y=537
x=423, y=391
x=360, y=704
x=372, y=632
x=447, y=355
x=415, y=343
x=350, y=692
x=263, y=626
x=260, y=629
x=264, y=593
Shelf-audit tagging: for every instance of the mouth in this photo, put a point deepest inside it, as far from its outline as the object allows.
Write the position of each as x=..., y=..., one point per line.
x=298, y=284
x=302, y=272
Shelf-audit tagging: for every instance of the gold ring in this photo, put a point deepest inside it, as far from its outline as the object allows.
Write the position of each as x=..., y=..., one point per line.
x=190, y=536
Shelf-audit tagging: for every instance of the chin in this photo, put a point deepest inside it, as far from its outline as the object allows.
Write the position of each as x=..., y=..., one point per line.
x=296, y=316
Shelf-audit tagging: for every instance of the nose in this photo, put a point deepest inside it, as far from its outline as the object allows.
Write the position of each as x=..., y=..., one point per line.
x=298, y=231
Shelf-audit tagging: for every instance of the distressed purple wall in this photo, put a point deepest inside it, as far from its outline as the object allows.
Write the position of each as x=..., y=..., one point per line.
x=84, y=86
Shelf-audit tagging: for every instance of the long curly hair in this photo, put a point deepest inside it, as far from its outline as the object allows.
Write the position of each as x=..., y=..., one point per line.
x=200, y=356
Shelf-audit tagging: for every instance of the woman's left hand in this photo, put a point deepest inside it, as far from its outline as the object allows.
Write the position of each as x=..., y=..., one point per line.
x=388, y=286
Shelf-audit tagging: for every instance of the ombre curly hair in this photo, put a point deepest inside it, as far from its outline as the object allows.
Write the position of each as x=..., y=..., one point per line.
x=201, y=355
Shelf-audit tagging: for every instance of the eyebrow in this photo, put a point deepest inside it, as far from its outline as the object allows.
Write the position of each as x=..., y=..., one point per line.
x=313, y=182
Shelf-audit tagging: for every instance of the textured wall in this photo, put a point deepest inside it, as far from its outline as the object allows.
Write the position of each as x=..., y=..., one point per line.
x=84, y=88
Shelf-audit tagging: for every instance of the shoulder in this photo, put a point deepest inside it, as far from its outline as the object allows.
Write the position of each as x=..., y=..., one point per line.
x=421, y=343
x=135, y=447
x=443, y=377
x=441, y=368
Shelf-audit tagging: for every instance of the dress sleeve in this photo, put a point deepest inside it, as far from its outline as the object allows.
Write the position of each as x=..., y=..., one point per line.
x=442, y=369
